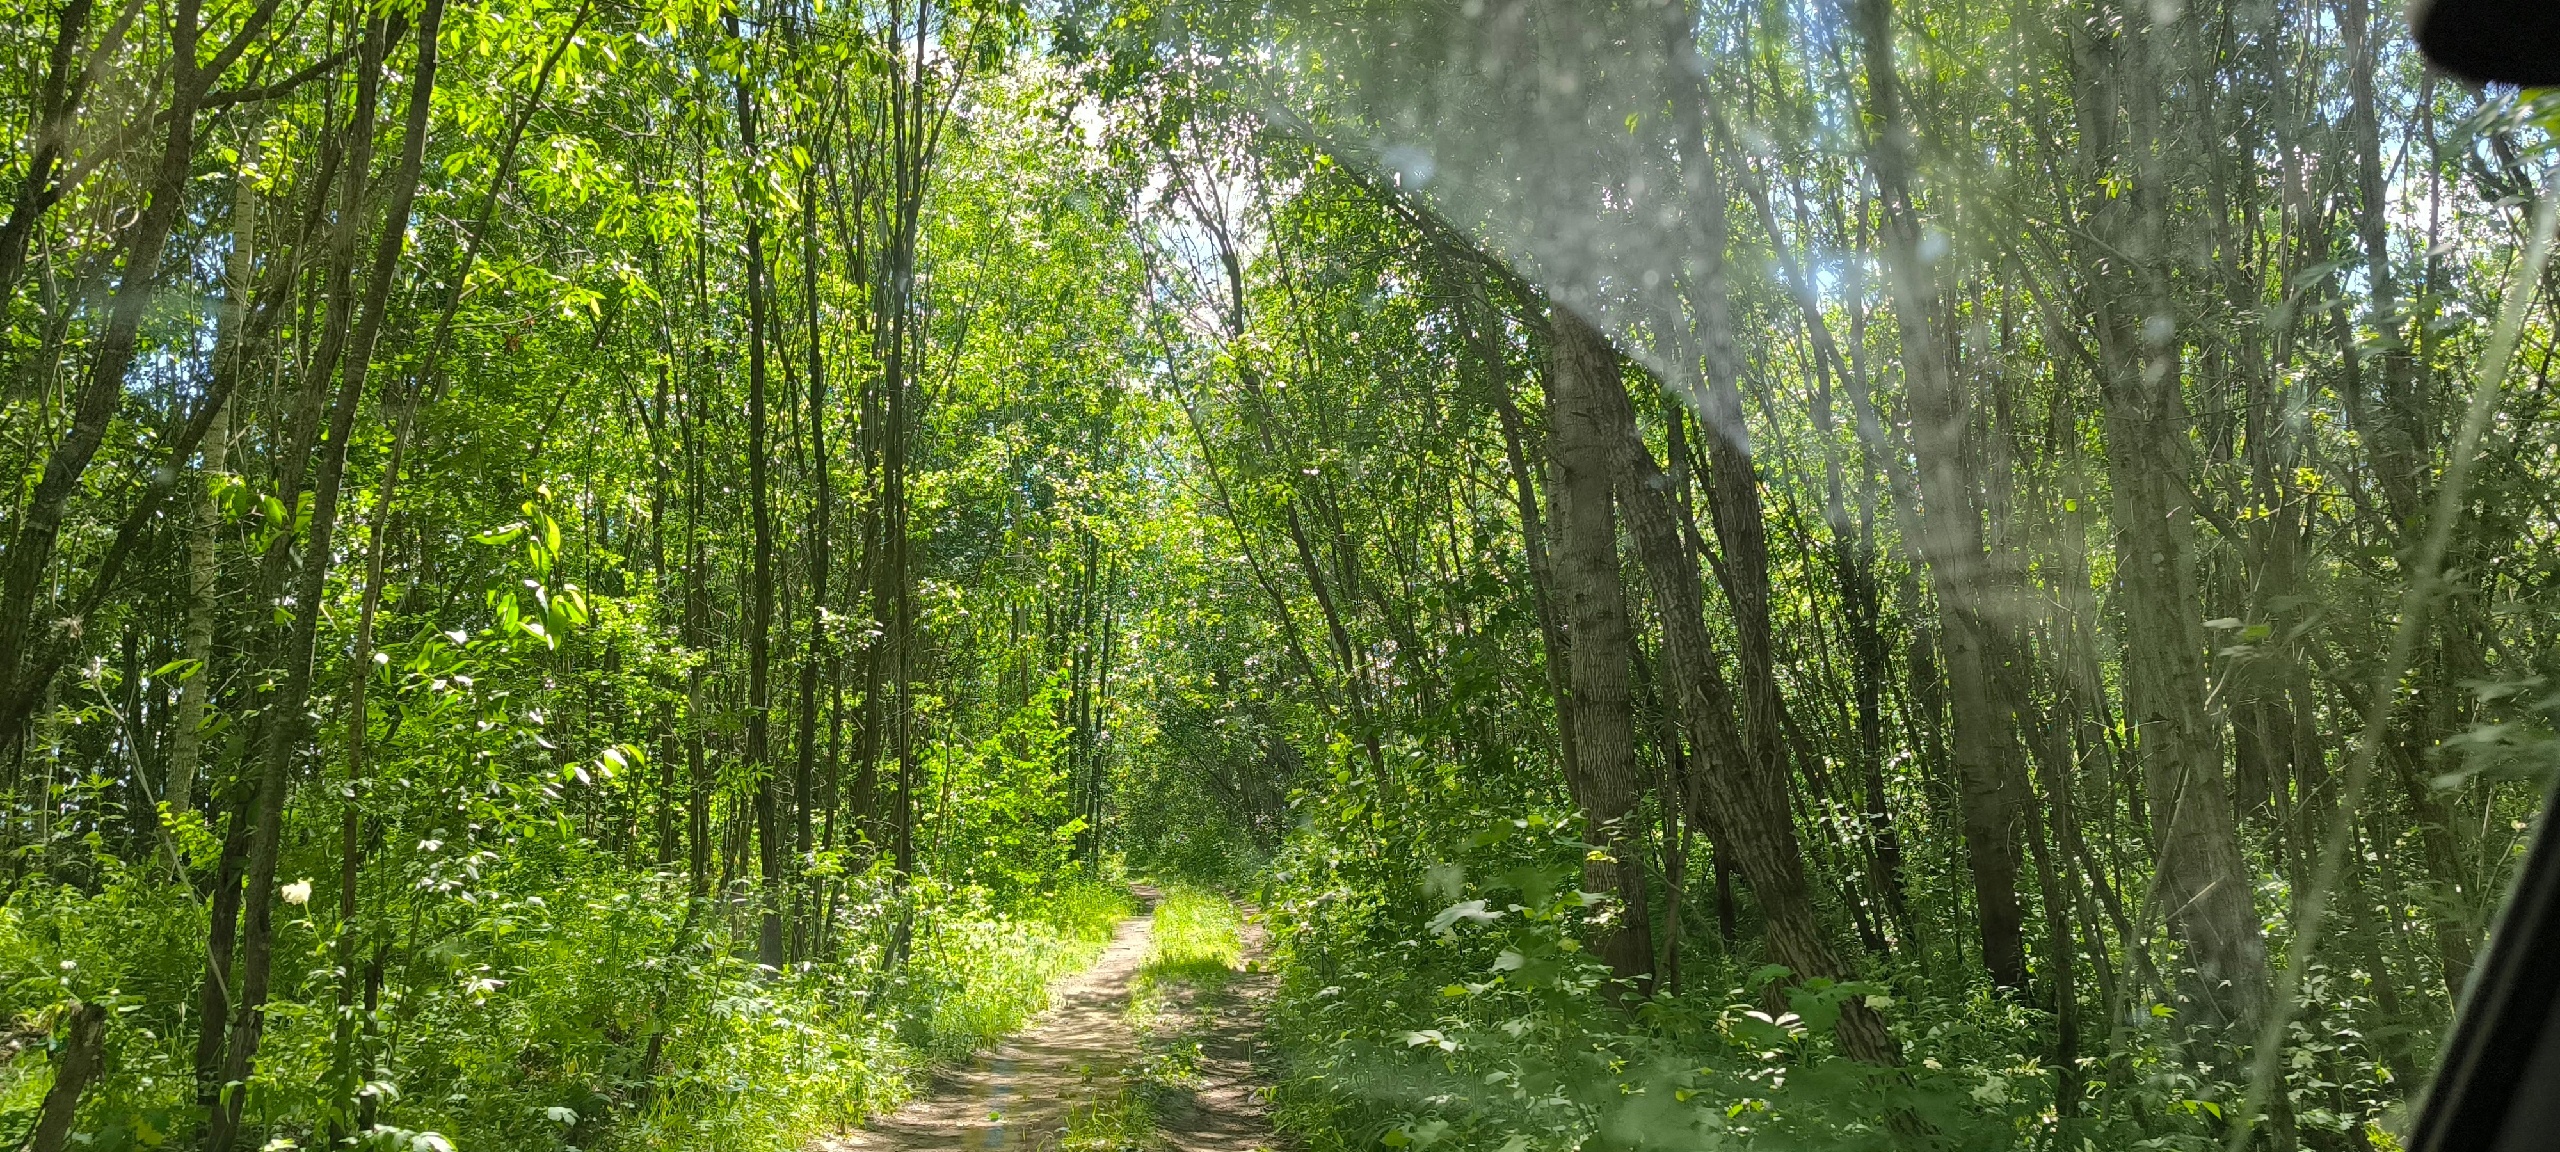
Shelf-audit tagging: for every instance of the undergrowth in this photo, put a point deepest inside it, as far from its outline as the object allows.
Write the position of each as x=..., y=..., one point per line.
x=1456, y=1008
x=564, y=1007
x=1120, y=1120
x=977, y=978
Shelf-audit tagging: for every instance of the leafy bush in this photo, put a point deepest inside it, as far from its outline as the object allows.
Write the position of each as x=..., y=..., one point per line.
x=578, y=1007
x=1487, y=1025
x=981, y=972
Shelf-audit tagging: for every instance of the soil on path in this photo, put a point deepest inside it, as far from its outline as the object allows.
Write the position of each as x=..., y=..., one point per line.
x=1018, y=1096
x=1224, y=1108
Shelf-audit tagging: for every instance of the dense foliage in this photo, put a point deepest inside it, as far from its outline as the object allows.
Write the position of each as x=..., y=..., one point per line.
x=1835, y=574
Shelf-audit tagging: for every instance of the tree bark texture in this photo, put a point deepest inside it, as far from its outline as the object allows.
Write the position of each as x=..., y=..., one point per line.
x=1584, y=368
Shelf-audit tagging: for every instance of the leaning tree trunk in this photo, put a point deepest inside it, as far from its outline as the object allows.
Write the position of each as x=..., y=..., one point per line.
x=346, y=161
x=1853, y=554
x=81, y=1058
x=57, y=105
x=145, y=242
x=289, y=728
x=1739, y=798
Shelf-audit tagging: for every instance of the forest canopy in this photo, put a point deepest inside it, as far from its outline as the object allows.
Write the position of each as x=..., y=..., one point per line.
x=1841, y=574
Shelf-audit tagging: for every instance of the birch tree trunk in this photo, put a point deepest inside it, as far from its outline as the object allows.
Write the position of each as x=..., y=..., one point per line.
x=186, y=743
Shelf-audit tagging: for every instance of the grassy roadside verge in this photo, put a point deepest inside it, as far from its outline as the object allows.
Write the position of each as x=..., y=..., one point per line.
x=772, y=1063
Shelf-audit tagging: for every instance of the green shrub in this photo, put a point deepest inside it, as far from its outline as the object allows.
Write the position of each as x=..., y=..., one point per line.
x=565, y=1005
x=1486, y=1025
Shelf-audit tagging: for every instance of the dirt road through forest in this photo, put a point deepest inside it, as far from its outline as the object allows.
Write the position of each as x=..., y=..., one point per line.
x=1085, y=1058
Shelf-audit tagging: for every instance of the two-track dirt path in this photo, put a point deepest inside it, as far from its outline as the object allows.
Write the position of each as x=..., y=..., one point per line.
x=1017, y=1095
x=1224, y=1109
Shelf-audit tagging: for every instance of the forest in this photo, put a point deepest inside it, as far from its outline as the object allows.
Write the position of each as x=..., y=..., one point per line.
x=1681, y=574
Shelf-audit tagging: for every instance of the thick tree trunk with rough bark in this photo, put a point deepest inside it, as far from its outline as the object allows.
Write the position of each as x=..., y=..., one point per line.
x=2204, y=883
x=1584, y=368
x=1739, y=799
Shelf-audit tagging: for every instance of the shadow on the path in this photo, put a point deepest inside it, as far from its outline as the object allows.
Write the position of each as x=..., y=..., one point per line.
x=1018, y=1096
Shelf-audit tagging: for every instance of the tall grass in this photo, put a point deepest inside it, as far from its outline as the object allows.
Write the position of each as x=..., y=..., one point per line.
x=571, y=1007
x=1196, y=940
x=979, y=977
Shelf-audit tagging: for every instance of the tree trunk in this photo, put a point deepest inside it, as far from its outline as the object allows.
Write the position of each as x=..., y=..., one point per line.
x=820, y=511
x=82, y=1057
x=759, y=766
x=2204, y=883
x=696, y=412
x=1989, y=769
x=1496, y=365
x=30, y=553
x=1853, y=556
x=1734, y=795
x=287, y=737
x=57, y=104
x=2400, y=437
x=911, y=150
x=203, y=559
x=346, y=163
x=1584, y=369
